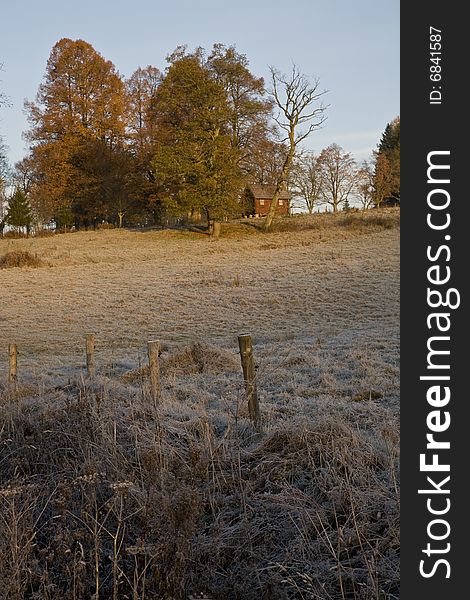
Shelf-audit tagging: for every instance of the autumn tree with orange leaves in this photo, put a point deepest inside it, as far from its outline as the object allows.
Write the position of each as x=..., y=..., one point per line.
x=78, y=117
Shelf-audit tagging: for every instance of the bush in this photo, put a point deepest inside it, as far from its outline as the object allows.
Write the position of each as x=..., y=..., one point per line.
x=105, y=226
x=41, y=233
x=20, y=258
x=371, y=219
x=15, y=234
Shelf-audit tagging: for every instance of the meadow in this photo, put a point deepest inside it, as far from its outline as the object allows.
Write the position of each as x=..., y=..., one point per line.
x=104, y=494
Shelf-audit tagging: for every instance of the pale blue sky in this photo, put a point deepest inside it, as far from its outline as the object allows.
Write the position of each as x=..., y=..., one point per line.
x=352, y=46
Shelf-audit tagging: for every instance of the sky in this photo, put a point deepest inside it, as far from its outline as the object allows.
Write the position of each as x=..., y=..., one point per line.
x=350, y=46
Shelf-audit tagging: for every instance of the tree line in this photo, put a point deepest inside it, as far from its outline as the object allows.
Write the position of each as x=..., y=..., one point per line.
x=187, y=141
x=333, y=177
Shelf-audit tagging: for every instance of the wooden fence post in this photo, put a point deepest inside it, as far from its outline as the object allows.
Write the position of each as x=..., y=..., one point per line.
x=249, y=373
x=90, y=354
x=216, y=229
x=154, y=370
x=13, y=363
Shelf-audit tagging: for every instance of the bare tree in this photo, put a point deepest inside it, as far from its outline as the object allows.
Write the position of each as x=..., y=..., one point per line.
x=4, y=178
x=306, y=180
x=266, y=160
x=3, y=207
x=339, y=175
x=365, y=184
x=4, y=100
x=300, y=113
x=23, y=174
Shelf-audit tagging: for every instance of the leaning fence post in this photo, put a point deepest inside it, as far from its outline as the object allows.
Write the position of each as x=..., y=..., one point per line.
x=12, y=363
x=154, y=370
x=249, y=373
x=90, y=354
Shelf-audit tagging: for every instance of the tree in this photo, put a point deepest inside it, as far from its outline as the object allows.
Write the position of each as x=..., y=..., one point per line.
x=306, y=180
x=141, y=132
x=383, y=179
x=141, y=88
x=391, y=136
x=365, y=184
x=4, y=177
x=81, y=99
x=194, y=160
x=387, y=165
x=100, y=187
x=299, y=115
x=249, y=109
x=3, y=97
x=82, y=94
x=266, y=161
x=19, y=211
x=338, y=175
x=4, y=170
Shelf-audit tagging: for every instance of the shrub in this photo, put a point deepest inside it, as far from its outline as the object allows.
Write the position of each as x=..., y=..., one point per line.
x=20, y=258
x=15, y=234
x=41, y=233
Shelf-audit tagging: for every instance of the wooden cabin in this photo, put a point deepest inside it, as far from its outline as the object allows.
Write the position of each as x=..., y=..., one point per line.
x=259, y=197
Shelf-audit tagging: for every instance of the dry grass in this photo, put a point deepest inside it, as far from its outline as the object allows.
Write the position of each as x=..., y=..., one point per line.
x=103, y=495
x=181, y=287
x=353, y=220
x=20, y=258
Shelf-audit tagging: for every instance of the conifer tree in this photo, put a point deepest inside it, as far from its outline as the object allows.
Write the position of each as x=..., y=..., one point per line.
x=387, y=165
x=19, y=210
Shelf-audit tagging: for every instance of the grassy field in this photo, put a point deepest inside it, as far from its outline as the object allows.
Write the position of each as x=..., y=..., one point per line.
x=130, y=500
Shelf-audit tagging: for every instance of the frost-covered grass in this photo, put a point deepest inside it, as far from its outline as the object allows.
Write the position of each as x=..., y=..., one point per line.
x=339, y=278
x=104, y=495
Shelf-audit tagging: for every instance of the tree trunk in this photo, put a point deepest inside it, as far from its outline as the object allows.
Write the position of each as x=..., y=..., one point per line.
x=208, y=217
x=281, y=182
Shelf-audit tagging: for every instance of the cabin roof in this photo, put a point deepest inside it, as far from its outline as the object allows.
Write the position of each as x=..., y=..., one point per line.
x=266, y=192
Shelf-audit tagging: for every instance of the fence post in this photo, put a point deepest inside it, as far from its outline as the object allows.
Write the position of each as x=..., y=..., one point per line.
x=13, y=363
x=154, y=370
x=216, y=229
x=249, y=374
x=90, y=354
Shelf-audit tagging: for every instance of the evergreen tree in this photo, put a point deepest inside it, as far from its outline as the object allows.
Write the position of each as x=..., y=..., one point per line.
x=387, y=166
x=19, y=210
x=391, y=137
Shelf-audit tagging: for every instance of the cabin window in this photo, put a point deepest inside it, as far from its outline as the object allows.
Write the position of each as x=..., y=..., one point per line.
x=281, y=202
x=261, y=202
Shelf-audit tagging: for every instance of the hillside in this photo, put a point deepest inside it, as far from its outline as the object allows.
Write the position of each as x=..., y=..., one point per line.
x=186, y=497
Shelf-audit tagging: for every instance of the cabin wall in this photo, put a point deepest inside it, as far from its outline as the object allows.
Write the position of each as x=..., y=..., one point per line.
x=262, y=206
